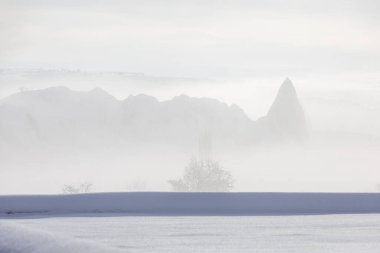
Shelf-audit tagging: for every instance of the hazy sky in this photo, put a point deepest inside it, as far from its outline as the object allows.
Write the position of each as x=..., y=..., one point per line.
x=212, y=39
x=237, y=51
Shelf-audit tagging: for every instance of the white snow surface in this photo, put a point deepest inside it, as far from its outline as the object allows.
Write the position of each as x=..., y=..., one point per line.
x=205, y=203
x=189, y=234
x=15, y=238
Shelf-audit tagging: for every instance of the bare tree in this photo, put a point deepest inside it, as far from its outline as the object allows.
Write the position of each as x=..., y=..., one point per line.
x=203, y=176
x=81, y=188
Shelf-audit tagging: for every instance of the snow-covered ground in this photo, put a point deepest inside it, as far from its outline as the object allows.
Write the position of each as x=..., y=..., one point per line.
x=18, y=238
x=190, y=222
x=298, y=234
x=180, y=203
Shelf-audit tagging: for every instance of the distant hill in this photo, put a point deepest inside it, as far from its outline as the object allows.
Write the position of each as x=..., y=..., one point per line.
x=60, y=116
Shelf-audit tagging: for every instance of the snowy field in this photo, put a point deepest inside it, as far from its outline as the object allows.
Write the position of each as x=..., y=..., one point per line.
x=310, y=233
x=190, y=222
x=192, y=203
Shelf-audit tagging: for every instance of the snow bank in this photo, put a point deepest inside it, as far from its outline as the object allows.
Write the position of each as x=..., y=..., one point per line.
x=18, y=239
x=172, y=203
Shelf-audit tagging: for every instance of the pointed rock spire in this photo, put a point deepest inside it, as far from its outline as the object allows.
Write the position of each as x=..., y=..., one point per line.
x=287, y=88
x=286, y=115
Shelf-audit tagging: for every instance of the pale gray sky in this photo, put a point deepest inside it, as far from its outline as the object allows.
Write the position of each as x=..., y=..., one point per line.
x=212, y=39
x=236, y=51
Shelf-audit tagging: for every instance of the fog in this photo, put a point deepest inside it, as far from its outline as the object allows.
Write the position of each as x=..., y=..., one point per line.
x=71, y=74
